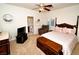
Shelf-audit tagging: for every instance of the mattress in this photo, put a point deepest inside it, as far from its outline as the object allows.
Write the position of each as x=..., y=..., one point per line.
x=68, y=41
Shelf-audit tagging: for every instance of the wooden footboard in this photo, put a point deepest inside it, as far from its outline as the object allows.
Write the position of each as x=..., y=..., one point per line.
x=49, y=47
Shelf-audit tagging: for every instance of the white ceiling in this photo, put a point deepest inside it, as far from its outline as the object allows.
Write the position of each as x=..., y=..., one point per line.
x=33, y=5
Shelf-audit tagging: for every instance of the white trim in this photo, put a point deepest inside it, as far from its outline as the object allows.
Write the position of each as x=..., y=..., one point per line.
x=11, y=39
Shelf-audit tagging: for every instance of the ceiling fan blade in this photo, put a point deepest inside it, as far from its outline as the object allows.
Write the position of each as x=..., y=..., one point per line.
x=35, y=8
x=47, y=9
x=48, y=6
x=40, y=5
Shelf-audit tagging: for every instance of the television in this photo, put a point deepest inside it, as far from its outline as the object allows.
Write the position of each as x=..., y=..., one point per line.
x=21, y=30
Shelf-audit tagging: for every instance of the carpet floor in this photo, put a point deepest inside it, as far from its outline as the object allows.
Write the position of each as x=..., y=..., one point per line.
x=29, y=47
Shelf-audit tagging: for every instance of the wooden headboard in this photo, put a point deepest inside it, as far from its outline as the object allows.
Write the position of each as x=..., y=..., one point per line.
x=65, y=25
x=69, y=26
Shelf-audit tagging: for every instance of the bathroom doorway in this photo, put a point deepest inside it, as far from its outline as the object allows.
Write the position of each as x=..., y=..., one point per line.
x=30, y=22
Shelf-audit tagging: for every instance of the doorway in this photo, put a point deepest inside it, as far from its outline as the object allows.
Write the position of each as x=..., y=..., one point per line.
x=30, y=22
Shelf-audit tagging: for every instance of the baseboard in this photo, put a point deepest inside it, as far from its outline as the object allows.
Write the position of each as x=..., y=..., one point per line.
x=11, y=39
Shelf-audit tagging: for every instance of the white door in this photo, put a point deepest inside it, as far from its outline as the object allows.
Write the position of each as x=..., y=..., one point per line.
x=30, y=22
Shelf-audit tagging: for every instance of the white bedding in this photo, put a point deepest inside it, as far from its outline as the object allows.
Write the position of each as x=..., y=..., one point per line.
x=67, y=41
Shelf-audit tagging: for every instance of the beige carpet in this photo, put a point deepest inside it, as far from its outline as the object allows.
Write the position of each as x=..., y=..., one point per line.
x=29, y=47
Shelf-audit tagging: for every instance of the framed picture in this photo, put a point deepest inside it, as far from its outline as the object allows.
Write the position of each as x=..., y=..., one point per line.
x=7, y=17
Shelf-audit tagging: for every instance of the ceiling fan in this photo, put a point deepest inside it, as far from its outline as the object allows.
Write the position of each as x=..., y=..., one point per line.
x=42, y=7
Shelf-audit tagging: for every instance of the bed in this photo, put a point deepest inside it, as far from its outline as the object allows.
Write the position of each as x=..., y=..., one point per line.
x=67, y=41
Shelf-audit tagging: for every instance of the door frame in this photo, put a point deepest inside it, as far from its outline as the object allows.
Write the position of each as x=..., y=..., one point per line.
x=32, y=24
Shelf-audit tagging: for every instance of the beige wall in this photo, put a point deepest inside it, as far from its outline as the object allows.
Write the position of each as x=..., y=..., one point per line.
x=19, y=18
x=67, y=14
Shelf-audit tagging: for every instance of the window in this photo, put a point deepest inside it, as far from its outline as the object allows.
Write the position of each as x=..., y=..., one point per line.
x=51, y=23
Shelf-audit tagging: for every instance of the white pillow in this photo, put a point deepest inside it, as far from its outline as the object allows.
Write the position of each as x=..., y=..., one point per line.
x=69, y=31
x=65, y=30
x=58, y=29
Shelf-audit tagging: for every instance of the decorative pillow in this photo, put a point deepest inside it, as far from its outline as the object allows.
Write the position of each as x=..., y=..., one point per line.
x=69, y=31
x=58, y=29
x=65, y=30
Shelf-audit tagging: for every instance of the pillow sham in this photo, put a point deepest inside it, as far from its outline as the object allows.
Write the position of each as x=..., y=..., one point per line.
x=65, y=30
x=58, y=29
x=69, y=31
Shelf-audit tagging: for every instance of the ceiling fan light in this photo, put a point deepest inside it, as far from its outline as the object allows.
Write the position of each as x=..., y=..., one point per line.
x=41, y=9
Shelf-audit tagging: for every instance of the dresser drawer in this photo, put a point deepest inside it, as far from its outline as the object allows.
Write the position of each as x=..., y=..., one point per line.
x=4, y=47
x=4, y=41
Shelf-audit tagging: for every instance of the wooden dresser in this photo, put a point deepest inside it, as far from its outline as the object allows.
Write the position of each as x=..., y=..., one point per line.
x=4, y=47
x=4, y=43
